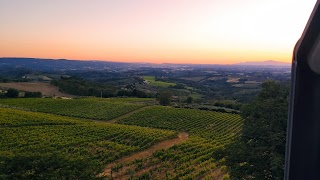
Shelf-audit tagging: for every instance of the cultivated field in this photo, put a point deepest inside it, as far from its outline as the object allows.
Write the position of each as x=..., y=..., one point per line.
x=37, y=145
x=131, y=140
x=152, y=81
x=193, y=159
x=206, y=124
x=90, y=108
x=45, y=88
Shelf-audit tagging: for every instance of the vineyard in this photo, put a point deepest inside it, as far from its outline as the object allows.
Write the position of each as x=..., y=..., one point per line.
x=193, y=159
x=214, y=126
x=90, y=108
x=42, y=146
x=60, y=140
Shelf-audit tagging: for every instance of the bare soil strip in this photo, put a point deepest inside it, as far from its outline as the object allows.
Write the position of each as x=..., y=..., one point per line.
x=148, y=152
x=45, y=88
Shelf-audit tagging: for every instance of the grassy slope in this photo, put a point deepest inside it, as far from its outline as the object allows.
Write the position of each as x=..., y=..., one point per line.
x=153, y=82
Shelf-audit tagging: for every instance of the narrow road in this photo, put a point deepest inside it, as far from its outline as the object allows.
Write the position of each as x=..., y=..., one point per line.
x=148, y=152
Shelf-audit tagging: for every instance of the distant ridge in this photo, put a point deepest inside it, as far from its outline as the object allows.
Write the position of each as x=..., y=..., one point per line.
x=59, y=64
x=264, y=63
x=38, y=64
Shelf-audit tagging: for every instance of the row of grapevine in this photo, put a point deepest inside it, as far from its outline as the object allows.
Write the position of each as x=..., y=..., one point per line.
x=193, y=159
x=90, y=108
x=206, y=124
x=35, y=145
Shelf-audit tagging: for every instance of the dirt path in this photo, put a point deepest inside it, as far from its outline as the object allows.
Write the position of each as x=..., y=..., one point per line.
x=148, y=152
x=127, y=115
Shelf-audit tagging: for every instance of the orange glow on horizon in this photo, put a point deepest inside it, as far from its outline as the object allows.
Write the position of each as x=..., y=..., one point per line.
x=168, y=31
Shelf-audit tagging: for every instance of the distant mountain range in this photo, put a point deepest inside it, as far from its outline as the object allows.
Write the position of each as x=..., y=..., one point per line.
x=60, y=64
x=264, y=63
x=38, y=64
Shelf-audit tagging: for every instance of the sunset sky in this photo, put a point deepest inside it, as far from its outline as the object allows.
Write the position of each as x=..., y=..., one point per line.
x=155, y=31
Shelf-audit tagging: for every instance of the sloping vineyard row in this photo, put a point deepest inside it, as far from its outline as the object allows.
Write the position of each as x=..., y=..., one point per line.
x=189, y=160
x=34, y=145
x=193, y=159
x=89, y=108
x=209, y=125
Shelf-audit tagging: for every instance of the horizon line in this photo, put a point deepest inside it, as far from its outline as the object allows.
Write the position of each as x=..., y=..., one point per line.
x=142, y=62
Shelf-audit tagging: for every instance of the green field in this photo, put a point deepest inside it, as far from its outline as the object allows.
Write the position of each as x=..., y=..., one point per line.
x=206, y=124
x=209, y=131
x=153, y=82
x=61, y=140
x=42, y=146
x=91, y=108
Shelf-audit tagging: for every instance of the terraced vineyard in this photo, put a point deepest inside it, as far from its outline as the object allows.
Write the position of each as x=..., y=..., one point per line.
x=91, y=108
x=42, y=146
x=193, y=159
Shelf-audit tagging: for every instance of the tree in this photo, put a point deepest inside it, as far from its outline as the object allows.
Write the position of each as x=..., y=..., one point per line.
x=12, y=93
x=189, y=100
x=164, y=98
x=142, y=94
x=33, y=95
x=259, y=152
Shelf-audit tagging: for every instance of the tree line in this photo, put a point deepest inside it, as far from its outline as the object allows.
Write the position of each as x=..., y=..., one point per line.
x=81, y=87
x=14, y=93
x=259, y=151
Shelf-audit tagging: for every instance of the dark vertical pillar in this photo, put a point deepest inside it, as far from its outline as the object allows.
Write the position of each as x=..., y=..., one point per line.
x=303, y=135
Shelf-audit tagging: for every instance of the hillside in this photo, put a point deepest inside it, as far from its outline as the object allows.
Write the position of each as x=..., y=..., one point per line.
x=35, y=145
x=45, y=88
x=265, y=63
x=58, y=64
x=59, y=143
